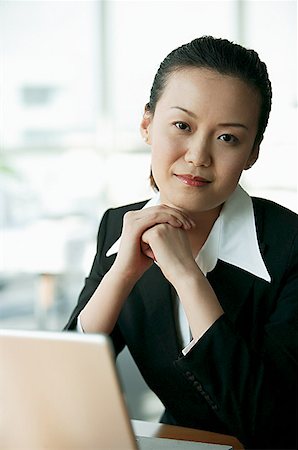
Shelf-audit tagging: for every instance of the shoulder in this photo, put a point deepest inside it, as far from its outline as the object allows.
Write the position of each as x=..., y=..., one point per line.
x=277, y=230
x=272, y=216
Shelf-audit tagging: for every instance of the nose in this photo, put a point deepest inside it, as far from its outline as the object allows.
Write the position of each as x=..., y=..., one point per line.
x=198, y=153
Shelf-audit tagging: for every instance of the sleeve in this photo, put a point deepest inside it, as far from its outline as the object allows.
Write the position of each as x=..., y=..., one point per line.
x=79, y=327
x=252, y=391
x=98, y=270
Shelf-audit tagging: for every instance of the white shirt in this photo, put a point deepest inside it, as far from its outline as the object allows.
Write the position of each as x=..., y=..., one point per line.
x=233, y=239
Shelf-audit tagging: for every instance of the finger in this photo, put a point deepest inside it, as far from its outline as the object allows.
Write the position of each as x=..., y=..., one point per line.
x=146, y=249
x=163, y=215
x=181, y=213
x=186, y=220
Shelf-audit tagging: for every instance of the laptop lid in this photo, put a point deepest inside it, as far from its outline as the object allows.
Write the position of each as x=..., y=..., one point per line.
x=60, y=391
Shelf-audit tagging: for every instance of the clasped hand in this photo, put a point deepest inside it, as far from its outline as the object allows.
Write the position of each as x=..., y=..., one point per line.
x=157, y=233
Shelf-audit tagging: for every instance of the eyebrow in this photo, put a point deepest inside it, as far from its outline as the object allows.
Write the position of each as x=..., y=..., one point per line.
x=191, y=114
x=231, y=124
x=227, y=124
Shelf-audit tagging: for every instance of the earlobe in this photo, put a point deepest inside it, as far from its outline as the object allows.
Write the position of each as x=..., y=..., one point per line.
x=145, y=132
x=252, y=158
x=145, y=127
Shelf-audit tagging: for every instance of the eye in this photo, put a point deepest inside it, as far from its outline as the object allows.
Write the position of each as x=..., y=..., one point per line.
x=182, y=126
x=228, y=138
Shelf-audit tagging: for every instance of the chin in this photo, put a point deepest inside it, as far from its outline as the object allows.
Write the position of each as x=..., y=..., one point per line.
x=187, y=206
x=192, y=204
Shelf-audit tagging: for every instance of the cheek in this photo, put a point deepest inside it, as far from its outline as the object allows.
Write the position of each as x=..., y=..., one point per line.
x=158, y=163
x=231, y=164
x=228, y=172
x=163, y=155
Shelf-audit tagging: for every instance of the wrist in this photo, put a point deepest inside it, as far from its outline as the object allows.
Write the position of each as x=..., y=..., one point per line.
x=186, y=275
x=123, y=276
x=199, y=300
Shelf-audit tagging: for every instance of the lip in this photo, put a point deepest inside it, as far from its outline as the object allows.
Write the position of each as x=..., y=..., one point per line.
x=190, y=180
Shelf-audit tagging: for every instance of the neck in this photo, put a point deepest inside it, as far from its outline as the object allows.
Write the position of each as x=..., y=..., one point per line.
x=204, y=223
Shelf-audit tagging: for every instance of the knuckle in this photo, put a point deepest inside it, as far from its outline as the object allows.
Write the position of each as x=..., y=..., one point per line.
x=159, y=230
x=156, y=215
x=129, y=221
x=128, y=216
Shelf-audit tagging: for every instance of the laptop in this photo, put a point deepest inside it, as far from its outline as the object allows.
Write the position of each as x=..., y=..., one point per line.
x=61, y=391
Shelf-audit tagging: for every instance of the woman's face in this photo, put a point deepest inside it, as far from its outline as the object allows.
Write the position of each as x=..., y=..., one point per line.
x=202, y=137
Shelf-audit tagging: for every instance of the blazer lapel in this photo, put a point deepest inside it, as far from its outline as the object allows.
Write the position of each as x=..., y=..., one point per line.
x=232, y=286
x=156, y=292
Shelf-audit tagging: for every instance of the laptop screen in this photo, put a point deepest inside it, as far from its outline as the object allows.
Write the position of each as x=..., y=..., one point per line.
x=60, y=391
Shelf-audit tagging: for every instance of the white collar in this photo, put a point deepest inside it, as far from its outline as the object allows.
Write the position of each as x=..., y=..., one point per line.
x=233, y=238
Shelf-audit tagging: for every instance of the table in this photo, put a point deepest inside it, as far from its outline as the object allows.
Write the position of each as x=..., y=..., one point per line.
x=153, y=429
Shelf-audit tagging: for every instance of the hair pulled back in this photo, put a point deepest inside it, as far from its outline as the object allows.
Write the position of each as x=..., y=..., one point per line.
x=224, y=57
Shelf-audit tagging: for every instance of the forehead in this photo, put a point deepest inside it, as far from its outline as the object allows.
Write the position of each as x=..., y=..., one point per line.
x=205, y=91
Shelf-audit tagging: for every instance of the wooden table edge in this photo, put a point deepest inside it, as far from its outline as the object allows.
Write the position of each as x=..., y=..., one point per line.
x=154, y=429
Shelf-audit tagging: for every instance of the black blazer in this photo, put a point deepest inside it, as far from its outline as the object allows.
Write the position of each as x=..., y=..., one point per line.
x=240, y=378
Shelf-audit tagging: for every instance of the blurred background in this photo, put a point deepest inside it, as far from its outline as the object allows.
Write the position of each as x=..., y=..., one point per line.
x=74, y=79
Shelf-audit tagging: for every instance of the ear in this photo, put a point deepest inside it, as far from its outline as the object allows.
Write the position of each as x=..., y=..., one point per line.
x=145, y=126
x=252, y=157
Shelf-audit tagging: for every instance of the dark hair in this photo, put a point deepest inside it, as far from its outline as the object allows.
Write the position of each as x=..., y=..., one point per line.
x=224, y=57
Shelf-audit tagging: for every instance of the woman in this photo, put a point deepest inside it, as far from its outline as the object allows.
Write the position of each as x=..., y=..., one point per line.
x=202, y=284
